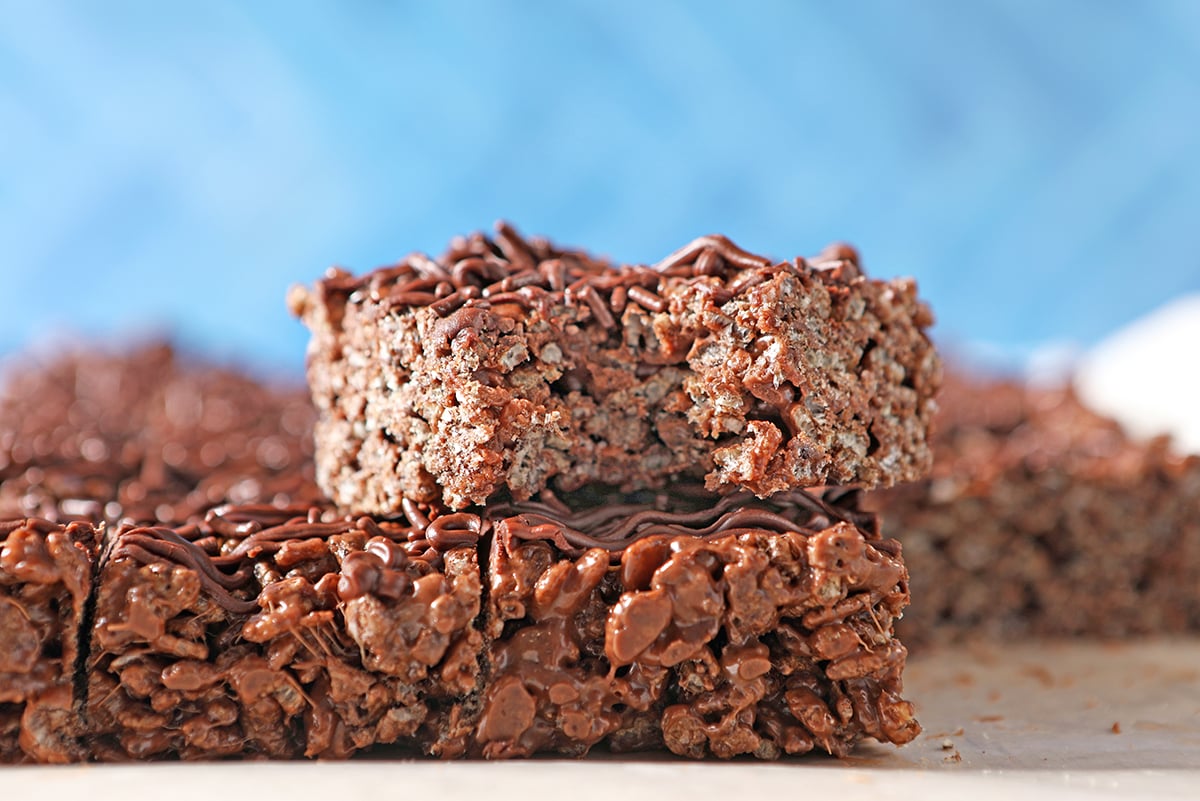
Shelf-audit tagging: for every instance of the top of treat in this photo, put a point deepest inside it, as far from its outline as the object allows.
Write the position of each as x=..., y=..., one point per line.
x=478, y=270
x=612, y=520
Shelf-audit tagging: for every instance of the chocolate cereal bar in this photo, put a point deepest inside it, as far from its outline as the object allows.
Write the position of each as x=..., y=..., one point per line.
x=1043, y=518
x=147, y=435
x=46, y=579
x=750, y=627
x=512, y=364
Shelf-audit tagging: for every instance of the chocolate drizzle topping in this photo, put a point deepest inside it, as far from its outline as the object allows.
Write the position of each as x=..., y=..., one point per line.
x=223, y=548
x=704, y=256
x=613, y=526
x=478, y=273
x=149, y=545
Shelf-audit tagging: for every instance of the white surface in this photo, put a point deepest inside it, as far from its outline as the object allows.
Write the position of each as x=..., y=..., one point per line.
x=583, y=781
x=1147, y=375
x=1033, y=721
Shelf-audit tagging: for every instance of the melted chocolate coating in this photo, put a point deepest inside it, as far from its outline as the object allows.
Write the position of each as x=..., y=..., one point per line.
x=146, y=436
x=747, y=627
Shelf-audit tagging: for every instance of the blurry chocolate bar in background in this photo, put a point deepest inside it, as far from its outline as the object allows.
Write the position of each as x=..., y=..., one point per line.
x=146, y=435
x=1044, y=518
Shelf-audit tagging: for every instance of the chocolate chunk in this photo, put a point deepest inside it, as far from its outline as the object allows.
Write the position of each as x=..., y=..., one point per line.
x=546, y=367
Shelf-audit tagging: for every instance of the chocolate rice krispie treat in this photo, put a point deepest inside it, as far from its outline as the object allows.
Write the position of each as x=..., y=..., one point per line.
x=267, y=632
x=46, y=580
x=145, y=435
x=513, y=364
x=681, y=621
x=1043, y=518
x=720, y=628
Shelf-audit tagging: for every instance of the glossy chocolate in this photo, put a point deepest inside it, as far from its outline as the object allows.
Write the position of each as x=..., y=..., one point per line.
x=46, y=580
x=749, y=627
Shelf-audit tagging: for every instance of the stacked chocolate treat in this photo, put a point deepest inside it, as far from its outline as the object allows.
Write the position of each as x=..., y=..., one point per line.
x=1042, y=518
x=570, y=505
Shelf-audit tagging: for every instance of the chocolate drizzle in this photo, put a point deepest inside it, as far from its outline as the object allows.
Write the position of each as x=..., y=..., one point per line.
x=222, y=550
x=455, y=530
x=704, y=257
x=479, y=273
x=157, y=545
x=614, y=526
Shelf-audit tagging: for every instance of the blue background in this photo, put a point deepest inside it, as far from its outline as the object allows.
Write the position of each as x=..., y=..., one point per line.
x=1035, y=165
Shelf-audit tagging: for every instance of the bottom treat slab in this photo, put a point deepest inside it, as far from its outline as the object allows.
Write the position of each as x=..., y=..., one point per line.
x=660, y=622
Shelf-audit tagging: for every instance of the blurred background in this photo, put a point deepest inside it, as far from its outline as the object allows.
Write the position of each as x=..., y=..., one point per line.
x=177, y=166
